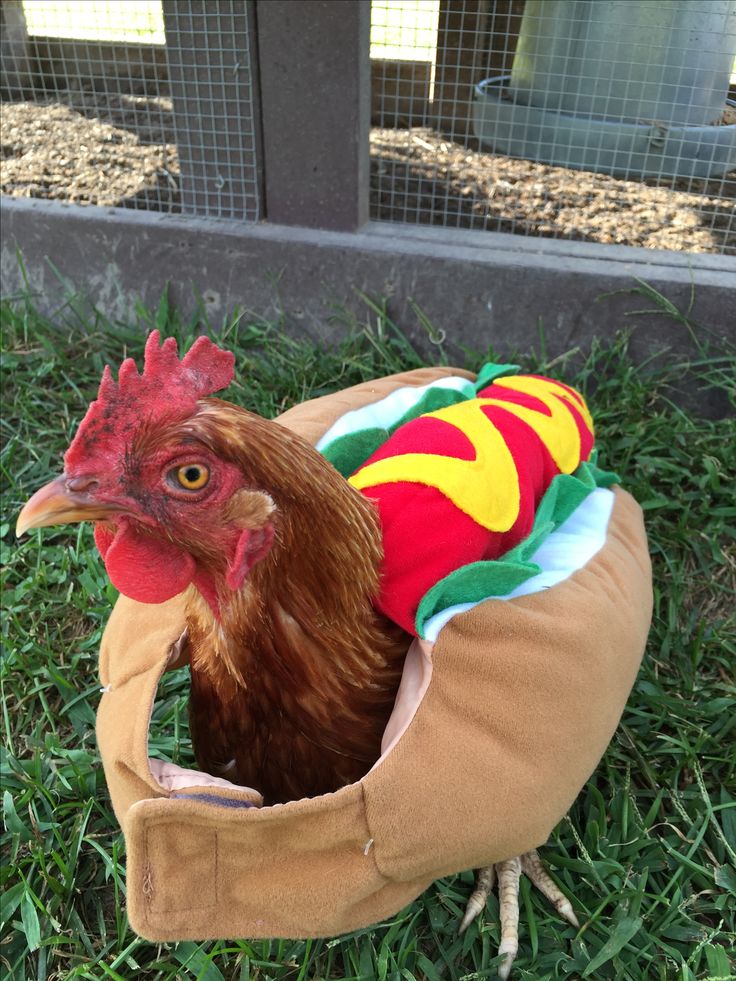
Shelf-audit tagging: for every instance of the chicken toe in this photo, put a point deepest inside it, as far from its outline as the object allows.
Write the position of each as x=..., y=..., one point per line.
x=508, y=874
x=477, y=902
x=531, y=866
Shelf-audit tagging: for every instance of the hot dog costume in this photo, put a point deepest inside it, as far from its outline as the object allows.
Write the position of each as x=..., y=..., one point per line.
x=459, y=477
x=523, y=573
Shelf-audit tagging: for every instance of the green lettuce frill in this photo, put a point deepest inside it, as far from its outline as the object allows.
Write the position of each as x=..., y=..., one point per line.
x=349, y=452
x=479, y=580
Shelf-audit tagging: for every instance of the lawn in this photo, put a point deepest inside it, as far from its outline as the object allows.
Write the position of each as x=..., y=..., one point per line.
x=647, y=850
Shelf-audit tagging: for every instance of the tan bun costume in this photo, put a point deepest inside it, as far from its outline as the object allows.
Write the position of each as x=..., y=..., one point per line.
x=498, y=725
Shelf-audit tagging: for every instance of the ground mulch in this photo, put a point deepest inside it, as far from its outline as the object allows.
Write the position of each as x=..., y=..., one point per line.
x=120, y=151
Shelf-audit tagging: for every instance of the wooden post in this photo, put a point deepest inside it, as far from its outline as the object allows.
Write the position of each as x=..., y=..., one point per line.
x=15, y=68
x=314, y=60
x=461, y=59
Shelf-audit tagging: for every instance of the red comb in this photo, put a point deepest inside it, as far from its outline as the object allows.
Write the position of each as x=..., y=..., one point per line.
x=167, y=387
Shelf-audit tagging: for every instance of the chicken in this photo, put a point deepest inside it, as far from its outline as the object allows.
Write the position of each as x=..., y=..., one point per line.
x=293, y=672
x=294, y=661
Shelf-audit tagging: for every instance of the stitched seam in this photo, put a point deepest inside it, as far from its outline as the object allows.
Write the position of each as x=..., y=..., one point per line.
x=173, y=907
x=372, y=853
x=216, y=882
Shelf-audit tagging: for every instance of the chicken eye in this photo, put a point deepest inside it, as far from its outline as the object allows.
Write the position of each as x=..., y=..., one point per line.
x=192, y=476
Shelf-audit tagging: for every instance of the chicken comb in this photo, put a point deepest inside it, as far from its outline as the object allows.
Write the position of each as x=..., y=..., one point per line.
x=167, y=387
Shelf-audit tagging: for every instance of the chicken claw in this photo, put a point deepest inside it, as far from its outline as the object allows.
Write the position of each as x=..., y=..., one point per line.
x=508, y=874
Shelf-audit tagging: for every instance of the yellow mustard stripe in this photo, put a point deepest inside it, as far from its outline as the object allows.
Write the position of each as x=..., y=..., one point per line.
x=557, y=431
x=486, y=488
x=534, y=386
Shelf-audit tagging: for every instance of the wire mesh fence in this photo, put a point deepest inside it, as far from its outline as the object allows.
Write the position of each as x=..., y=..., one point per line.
x=607, y=122
x=88, y=109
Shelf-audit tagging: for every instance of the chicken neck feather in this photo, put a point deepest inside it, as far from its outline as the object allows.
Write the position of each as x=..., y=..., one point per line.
x=294, y=680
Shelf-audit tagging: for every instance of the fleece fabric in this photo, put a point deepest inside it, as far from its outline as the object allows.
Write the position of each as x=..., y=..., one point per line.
x=460, y=485
x=523, y=698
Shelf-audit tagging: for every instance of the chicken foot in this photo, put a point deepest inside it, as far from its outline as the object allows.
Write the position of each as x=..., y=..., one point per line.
x=508, y=874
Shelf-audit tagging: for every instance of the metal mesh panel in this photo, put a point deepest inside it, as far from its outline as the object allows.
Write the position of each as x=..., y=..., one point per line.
x=608, y=122
x=212, y=79
x=130, y=104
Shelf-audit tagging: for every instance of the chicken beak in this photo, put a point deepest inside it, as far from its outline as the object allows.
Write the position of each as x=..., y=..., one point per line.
x=62, y=501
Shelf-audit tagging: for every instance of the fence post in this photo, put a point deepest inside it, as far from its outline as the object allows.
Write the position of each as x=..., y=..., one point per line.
x=15, y=68
x=461, y=57
x=314, y=63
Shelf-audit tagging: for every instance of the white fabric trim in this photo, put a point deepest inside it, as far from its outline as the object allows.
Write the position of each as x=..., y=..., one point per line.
x=387, y=411
x=561, y=554
x=172, y=777
x=415, y=680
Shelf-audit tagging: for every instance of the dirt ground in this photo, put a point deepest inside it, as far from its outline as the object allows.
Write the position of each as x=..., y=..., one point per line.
x=123, y=153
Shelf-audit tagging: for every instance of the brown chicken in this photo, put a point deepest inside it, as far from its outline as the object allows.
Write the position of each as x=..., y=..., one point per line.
x=293, y=671
x=294, y=681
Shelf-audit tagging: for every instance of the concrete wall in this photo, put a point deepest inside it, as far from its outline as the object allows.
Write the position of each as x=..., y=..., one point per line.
x=480, y=288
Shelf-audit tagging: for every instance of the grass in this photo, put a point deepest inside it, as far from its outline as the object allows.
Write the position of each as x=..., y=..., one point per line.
x=648, y=847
